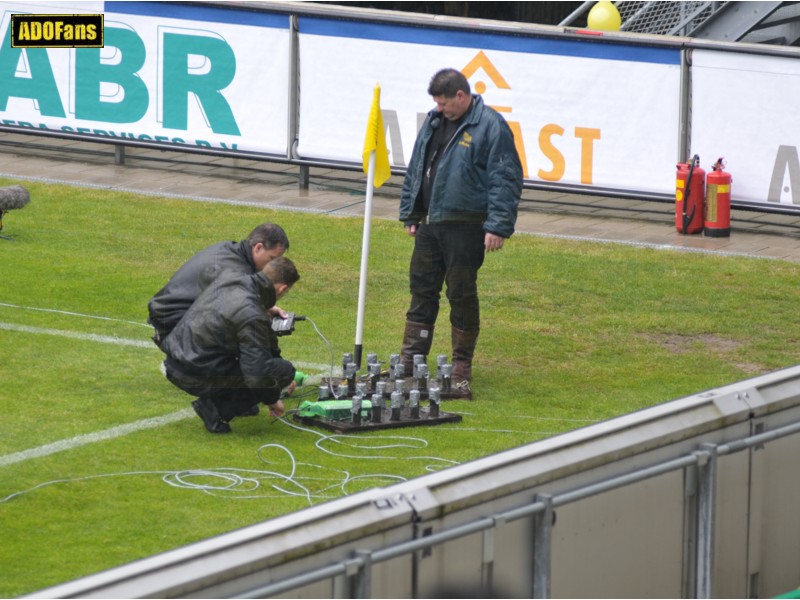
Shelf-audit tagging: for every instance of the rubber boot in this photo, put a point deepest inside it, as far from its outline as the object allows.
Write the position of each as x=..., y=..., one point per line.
x=417, y=339
x=464, y=343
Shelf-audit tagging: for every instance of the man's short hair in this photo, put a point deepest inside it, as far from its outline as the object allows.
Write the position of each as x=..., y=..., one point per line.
x=447, y=82
x=270, y=235
x=281, y=270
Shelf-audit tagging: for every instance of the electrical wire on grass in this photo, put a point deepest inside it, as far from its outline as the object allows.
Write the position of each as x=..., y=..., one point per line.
x=242, y=484
x=238, y=483
x=332, y=391
x=74, y=480
x=396, y=441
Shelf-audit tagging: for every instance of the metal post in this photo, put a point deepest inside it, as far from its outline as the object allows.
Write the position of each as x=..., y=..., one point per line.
x=119, y=154
x=293, y=126
x=685, y=107
x=339, y=587
x=487, y=564
x=362, y=580
x=573, y=16
x=689, y=567
x=542, y=547
x=303, y=177
x=294, y=87
x=706, y=497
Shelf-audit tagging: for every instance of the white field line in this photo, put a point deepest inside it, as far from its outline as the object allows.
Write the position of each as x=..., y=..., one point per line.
x=97, y=436
x=119, y=341
x=77, y=335
x=114, y=432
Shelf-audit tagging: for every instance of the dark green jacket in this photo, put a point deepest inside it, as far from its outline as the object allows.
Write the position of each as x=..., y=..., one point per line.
x=479, y=177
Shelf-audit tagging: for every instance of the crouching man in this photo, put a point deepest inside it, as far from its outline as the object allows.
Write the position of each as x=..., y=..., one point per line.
x=224, y=351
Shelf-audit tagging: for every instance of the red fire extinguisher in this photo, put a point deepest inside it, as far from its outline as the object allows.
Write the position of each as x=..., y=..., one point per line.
x=689, y=196
x=718, y=201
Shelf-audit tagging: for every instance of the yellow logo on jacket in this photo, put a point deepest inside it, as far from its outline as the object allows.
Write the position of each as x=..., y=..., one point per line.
x=466, y=140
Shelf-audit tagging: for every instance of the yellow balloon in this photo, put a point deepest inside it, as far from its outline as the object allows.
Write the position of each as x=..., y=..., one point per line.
x=604, y=16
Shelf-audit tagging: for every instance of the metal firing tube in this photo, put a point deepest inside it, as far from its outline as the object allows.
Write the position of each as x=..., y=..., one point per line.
x=374, y=375
x=347, y=358
x=441, y=359
x=397, y=405
x=355, y=410
x=433, y=396
x=377, y=408
x=422, y=376
x=447, y=377
x=419, y=359
x=399, y=371
x=350, y=375
x=413, y=404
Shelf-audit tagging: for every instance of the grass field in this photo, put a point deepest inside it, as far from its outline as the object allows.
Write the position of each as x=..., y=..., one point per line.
x=102, y=461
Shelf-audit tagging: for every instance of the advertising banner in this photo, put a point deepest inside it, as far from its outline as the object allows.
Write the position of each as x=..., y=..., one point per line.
x=743, y=109
x=201, y=76
x=587, y=113
x=590, y=113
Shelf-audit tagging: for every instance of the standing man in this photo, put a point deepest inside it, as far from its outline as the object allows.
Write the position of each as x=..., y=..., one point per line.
x=265, y=242
x=224, y=351
x=459, y=200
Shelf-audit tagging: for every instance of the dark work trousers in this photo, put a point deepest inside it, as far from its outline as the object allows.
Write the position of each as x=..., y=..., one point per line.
x=228, y=392
x=451, y=254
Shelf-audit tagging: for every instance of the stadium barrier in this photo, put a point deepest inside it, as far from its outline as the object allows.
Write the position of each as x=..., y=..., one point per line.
x=601, y=113
x=691, y=498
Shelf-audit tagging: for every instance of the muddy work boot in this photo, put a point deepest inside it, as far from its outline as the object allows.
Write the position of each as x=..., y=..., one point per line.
x=464, y=343
x=417, y=339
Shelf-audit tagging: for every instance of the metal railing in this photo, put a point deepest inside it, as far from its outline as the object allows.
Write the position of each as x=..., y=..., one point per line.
x=359, y=567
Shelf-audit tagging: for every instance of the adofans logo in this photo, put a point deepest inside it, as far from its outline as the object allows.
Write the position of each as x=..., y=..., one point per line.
x=56, y=31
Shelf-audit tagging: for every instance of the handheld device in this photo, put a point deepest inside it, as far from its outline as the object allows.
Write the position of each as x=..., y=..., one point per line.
x=285, y=326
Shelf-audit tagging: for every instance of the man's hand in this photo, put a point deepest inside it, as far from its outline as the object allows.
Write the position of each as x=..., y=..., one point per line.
x=277, y=409
x=290, y=388
x=492, y=242
x=277, y=311
x=411, y=230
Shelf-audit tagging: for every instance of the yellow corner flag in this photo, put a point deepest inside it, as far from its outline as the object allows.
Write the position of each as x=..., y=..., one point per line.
x=375, y=140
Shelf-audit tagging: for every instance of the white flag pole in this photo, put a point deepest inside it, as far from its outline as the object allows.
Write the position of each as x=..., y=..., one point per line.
x=362, y=282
